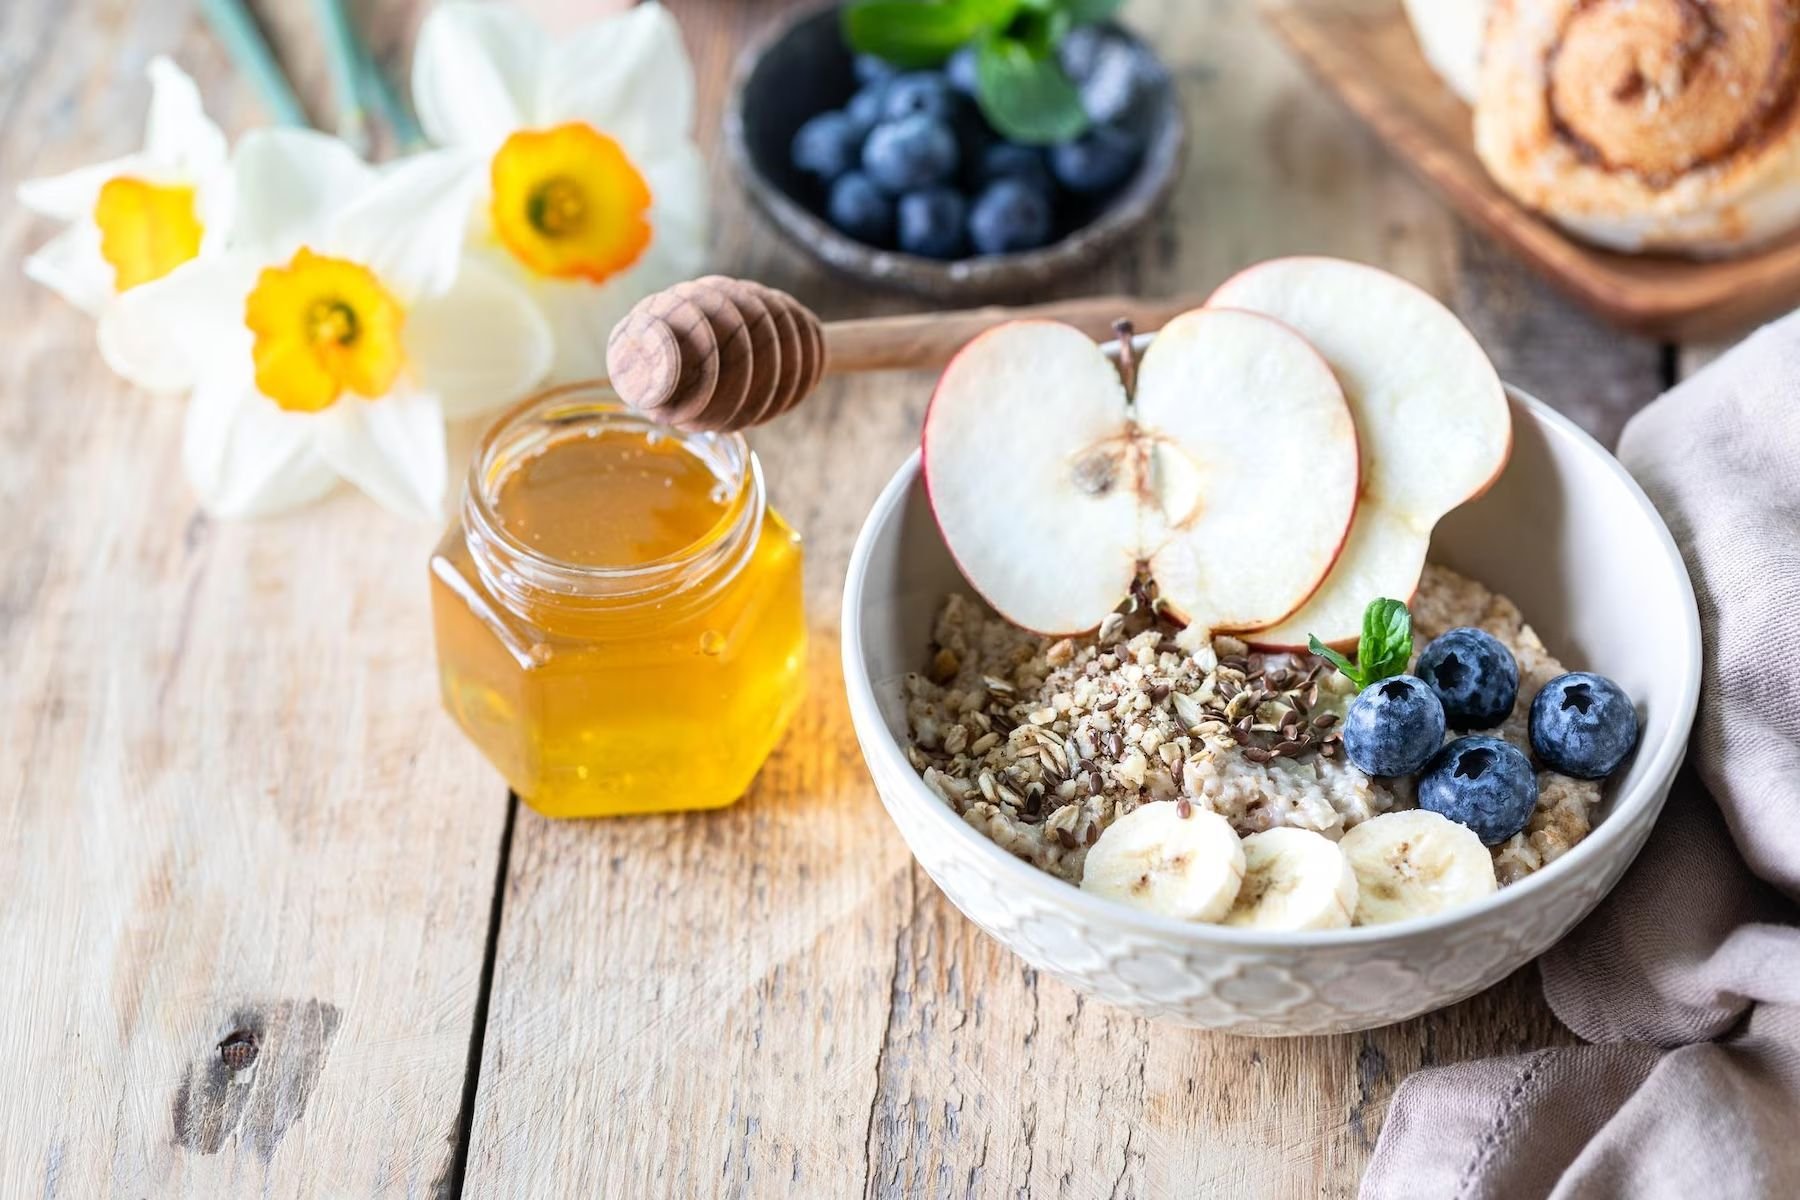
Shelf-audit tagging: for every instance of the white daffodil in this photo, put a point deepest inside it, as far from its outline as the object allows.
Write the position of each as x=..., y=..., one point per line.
x=134, y=219
x=591, y=190
x=336, y=331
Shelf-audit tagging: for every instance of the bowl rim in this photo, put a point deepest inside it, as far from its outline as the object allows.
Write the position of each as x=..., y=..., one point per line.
x=1649, y=793
x=977, y=274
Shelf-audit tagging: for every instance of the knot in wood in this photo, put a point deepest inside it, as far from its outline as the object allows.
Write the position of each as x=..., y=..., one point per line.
x=239, y=1049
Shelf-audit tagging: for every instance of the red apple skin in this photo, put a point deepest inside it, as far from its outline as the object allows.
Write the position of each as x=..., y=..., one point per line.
x=1348, y=644
x=1337, y=553
x=931, y=503
x=1342, y=645
x=1343, y=539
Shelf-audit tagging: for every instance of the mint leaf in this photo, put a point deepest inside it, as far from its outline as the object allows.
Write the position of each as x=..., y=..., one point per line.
x=1025, y=95
x=1039, y=26
x=1386, y=645
x=1383, y=651
x=1344, y=665
x=921, y=33
x=1084, y=11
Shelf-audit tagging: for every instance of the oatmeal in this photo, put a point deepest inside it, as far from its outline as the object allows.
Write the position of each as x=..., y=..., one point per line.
x=1041, y=743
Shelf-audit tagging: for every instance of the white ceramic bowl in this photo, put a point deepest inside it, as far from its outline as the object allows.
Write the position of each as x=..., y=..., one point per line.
x=1565, y=532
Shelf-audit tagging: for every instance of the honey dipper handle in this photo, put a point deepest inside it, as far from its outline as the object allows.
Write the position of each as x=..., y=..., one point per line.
x=928, y=340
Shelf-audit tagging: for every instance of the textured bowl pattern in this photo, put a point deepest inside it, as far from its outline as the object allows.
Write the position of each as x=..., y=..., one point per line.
x=1565, y=532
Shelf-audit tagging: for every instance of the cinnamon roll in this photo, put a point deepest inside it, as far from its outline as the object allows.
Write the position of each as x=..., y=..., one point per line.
x=1647, y=124
x=1449, y=32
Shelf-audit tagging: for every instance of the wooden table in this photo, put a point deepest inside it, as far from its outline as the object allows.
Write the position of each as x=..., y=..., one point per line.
x=232, y=805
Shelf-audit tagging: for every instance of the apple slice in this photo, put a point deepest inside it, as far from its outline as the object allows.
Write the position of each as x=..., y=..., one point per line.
x=1432, y=417
x=1052, y=488
x=1025, y=469
x=1222, y=398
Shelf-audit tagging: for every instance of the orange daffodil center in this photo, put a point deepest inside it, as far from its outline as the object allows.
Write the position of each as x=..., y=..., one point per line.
x=324, y=326
x=146, y=229
x=569, y=203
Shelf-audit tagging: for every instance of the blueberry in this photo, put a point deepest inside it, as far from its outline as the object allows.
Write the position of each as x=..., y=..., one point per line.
x=870, y=69
x=1097, y=161
x=1008, y=160
x=865, y=107
x=962, y=71
x=1080, y=50
x=931, y=222
x=908, y=154
x=1473, y=674
x=827, y=145
x=1482, y=782
x=1393, y=726
x=918, y=92
x=1115, y=80
x=861, y=209
x=1008, y=216
x=1583, y=725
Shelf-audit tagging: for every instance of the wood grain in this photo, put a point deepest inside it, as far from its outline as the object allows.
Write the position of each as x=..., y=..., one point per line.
x=929, y=340
x=231, y=805
x=773, y=1000
x=234, y=808
x=1364, y=51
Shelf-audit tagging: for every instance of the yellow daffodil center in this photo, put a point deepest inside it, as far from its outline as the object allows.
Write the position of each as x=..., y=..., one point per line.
x=323, y=326
x=146, y=229
x=569, y=203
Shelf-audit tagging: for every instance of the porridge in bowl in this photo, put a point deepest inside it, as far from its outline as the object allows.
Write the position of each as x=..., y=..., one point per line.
x=1183, y=687
x=1041, y=743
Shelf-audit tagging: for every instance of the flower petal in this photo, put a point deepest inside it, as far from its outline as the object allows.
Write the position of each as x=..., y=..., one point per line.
x=196, y=311
x=481, y=344
x=71, y=195
x=627, y=76
x=287, y=183
x=244, y=457
x=680, y=211
x=142, y=354
x=391, y=448
x=409, y=227
x=70, y=265
x=582, y=315
x=475, y=71
x=179, y=136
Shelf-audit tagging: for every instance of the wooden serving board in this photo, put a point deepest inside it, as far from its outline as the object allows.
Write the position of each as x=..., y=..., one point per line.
x=1364, y=51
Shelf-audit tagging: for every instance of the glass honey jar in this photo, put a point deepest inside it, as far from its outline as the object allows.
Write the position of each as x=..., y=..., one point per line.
x=619, y=619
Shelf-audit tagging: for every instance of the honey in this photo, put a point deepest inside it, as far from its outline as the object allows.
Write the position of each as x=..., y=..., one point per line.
x=620, y=626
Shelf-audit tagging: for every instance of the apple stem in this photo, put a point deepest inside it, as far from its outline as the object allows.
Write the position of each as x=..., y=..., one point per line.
x=1125, y=331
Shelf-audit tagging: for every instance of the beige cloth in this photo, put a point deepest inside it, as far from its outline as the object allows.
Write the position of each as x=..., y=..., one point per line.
x=1687, y=979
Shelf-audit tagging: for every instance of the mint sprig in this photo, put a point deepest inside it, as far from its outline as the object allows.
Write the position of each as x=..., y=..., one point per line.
x=1020, y=84
x=1025, y=95
x=1384, y=649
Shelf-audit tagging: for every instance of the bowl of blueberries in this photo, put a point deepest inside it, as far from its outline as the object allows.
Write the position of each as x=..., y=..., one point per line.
x=959, y=149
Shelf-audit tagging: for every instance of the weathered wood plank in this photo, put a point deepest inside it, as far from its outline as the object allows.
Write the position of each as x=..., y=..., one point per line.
x=230, y=804
x=772, y=1000
x=1554, y=350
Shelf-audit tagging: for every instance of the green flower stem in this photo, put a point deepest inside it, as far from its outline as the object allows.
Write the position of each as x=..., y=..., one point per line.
x=250, y=54
x=378, y=92
x=344, y=56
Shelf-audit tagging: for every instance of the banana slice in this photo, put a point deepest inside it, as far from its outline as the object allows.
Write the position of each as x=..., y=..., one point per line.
x=1155, y=859
x=1414, y=863
x=1294, y=879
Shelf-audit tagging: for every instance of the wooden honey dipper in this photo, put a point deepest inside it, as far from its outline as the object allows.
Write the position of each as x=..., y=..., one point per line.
x=717, y=353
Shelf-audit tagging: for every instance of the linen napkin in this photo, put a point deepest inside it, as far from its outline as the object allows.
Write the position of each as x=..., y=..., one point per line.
x=1686, y=980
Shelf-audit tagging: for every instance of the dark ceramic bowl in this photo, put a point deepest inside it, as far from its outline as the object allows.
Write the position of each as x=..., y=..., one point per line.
x=801, y=67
